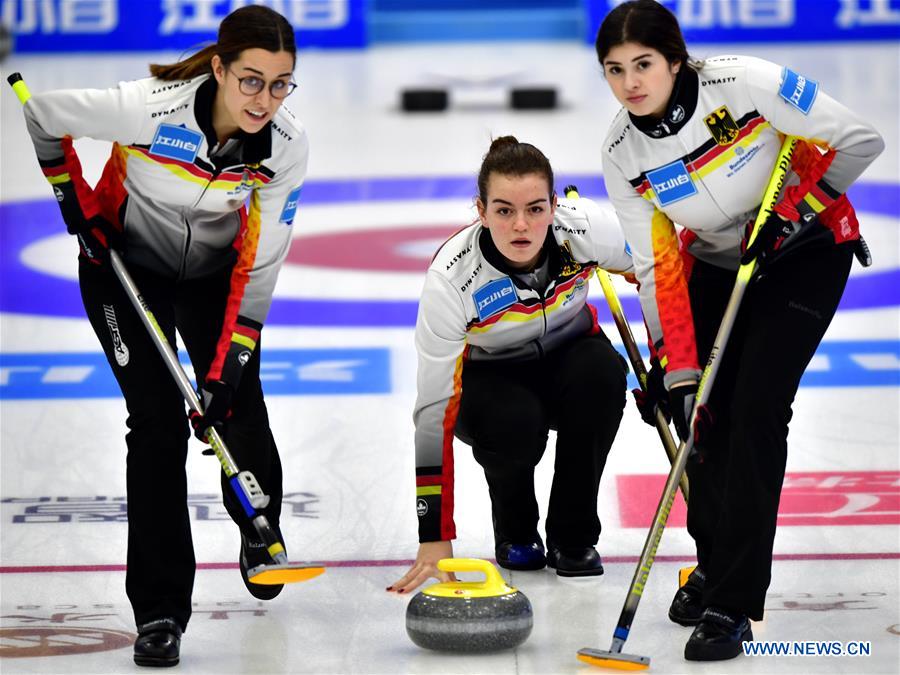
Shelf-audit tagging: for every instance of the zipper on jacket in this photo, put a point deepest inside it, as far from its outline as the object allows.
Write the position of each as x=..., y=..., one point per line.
x=544, y=307
x=213, y=176
x=185, y=249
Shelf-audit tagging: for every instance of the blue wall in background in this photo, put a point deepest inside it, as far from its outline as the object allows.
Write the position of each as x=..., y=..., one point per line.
x=773, y=20
x=143, y=25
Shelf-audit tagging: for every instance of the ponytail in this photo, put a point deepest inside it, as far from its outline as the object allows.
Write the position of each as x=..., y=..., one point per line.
x=198, y=64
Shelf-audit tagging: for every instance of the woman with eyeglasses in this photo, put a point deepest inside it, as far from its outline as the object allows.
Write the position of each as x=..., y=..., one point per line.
x=198, y=197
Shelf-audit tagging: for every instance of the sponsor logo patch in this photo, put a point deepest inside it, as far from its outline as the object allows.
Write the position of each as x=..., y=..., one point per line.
x=176, y=142
x=421, y=507
x=798, y=91
x=721, y=126
x=119, y=348
x=290, y=206
x=494, y=296
x=671, y=183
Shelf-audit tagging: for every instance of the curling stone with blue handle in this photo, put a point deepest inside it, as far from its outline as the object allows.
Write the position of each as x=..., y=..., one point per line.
x=467, y=616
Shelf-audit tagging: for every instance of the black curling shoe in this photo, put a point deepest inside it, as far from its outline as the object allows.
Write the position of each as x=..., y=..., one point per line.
x=158, y=644
x=687, y=606
x=253, y=554
x=718, y=636
x=521, y=556
x=575, y=562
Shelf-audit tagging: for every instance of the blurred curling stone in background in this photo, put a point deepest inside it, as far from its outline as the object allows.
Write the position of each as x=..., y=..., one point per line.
x=467, y=616
x=533, y=98
x=474, y=92
x=424, y=100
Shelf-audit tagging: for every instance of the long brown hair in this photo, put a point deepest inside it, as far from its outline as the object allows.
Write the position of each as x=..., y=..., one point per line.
x=645, y=22
x=508, y=157
x=253, y=26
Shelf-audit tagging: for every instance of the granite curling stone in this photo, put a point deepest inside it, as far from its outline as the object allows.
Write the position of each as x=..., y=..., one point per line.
x=466, y=616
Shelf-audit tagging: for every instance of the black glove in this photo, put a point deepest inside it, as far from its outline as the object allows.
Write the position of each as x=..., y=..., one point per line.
x=216, y=396
x=771, y=237
x=95, y=235
x=654, y=396
x=81, y=209
x=681, y=402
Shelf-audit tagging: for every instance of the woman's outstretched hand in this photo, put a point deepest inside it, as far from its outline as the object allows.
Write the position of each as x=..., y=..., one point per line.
x=425, y=567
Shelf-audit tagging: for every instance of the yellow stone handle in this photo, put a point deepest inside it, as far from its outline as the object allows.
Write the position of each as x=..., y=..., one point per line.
x=492, y=582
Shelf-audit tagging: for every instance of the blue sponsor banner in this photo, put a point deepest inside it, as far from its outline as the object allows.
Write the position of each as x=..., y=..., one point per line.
x=293, y=372
x=155, y=25
x=852, y=363
x=772, y=20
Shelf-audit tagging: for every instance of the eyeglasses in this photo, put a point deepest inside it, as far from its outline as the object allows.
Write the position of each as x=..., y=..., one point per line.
x=252, y=85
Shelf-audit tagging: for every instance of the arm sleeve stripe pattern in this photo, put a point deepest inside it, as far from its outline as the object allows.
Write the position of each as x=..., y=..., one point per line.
x=679, y=349
x=427, y=471
x=246, y=243
x=60, y=178
x=55, y=172
x=243, y=340
x=448, y=528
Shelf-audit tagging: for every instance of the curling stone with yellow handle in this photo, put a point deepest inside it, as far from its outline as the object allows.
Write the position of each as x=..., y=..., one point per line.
x=469, y=616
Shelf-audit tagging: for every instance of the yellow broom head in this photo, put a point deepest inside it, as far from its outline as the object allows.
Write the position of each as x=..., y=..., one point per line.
x=619, y=661
x=283, y=574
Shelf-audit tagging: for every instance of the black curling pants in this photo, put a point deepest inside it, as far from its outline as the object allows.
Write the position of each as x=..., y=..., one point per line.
x=735, y=490
x=161, y=563
x=506, y=412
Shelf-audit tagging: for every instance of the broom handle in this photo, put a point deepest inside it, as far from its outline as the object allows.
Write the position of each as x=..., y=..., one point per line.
x=648, y=554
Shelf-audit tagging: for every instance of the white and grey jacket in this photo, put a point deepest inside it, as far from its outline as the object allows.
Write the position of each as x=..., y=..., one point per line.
x=705, y=166
x=177, y=195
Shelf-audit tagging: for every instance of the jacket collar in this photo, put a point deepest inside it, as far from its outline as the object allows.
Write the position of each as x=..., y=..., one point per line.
x=499, y=262
x=679, y=110
x=254, y=148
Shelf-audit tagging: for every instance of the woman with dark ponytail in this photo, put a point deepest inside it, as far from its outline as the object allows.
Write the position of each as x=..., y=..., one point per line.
x=695, y=144
x=198, y=198
x=509, y=349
